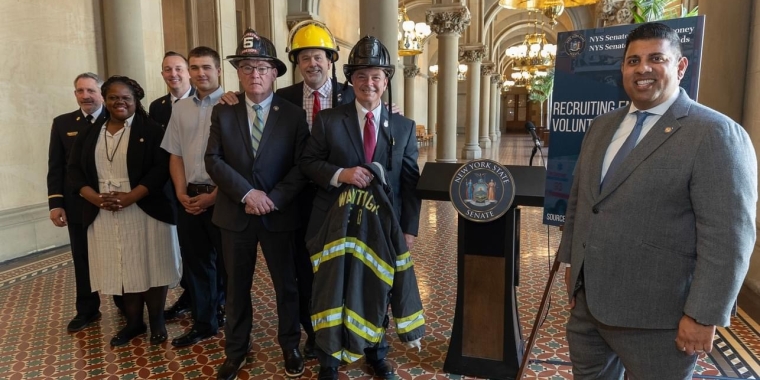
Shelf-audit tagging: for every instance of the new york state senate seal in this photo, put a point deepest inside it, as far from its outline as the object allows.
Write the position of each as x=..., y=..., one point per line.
x=482, y=190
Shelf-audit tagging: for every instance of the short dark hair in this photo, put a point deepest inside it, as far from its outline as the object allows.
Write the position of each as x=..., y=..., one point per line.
x=171, y=53
x=205, y=51
x=655, y=30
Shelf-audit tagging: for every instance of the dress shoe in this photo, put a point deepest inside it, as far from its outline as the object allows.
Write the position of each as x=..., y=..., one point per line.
x=328, y=373
x=221, y=316
x=191, y=337
x=127, y=334
x=383, y=369
x=158, y=337
x=293, y=362
x=179, y=308
x=229, y=369
x=81, y=321
x=308, y=349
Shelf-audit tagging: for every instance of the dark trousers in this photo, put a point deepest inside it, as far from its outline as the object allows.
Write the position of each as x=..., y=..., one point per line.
x=87, y=301
x=373, y=354
x=304, y=271
x=203, y=266
x=240, y=260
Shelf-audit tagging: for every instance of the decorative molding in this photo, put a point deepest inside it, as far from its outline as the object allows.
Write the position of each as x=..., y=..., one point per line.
x=411, y=71
x=473, y=53
x=448, y=19
x=432, y=80
x=486, y=69
x=615, y=12
x=496, y=79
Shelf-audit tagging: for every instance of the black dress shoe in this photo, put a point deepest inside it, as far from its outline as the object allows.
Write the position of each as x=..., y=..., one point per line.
x=328, y=373
x=81, y=321
x=293, y=362
x=179, y=308
x=127, y=334
x=191, y=337
x=229, y=369
x=308, y=349
x=221, y=316
x=382, y=368
x=158, y=337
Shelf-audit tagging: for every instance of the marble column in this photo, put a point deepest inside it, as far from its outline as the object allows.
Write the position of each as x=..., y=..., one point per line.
x=410, y=73
x=494, y=104
x=432, y=105
x=135, y=43
x=473, y=56
x=498, y=109
x=380, y=19
x=448, y=23
x=485, y=102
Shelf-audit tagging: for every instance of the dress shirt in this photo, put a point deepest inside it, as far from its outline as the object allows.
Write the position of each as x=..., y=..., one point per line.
x=626, y=127
x=185, y=95
x=187, y=134
x=325, y=100
x=94, y=114
x=361, y=113
x=265, y=106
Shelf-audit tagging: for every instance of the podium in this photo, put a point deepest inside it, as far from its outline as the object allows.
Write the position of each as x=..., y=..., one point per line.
x=486, y=339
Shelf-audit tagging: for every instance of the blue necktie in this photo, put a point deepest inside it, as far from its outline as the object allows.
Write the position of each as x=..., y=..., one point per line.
x=627, y=146
x=258, y=128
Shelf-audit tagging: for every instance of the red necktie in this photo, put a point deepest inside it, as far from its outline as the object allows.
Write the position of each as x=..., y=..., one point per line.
x=317, y=107
x=369, y=137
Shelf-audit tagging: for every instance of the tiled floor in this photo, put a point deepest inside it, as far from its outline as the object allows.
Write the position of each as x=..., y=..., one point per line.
x=36, y=303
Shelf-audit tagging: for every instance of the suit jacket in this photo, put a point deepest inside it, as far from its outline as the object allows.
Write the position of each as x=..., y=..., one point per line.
x=160, y=110
x=336, y=143
x=147, y=165
x=65, y=130
x=673, y=229
x=232, y=166
x=294, y=94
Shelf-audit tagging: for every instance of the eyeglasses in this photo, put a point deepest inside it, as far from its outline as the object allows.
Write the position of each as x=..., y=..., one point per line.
x=262, y=70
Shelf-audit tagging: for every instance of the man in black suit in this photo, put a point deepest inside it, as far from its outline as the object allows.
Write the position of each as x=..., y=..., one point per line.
x=64, y=202
x=177, y=77
x=252, y=155
x=347, y=136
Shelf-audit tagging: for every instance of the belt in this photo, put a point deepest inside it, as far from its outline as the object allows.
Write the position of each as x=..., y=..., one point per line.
x=194, y=189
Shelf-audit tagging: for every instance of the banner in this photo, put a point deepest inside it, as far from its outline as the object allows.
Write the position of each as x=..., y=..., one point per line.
x=588, y=83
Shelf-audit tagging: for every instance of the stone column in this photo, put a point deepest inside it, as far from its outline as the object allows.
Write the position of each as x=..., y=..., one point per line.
x=485, y=102
x=448, y=22
x=473, y=56
x=135, y=43
x=432, y=105
x=499, y=84
x=494, y=104
x=380, y=19
x=410, y=73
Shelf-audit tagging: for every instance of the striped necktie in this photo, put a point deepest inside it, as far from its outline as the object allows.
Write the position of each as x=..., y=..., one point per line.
x=258, y=128
x=627, y=146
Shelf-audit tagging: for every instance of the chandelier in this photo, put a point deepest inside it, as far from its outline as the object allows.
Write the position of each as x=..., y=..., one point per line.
x=461, y=71
x=411, y=35
x=533, y=54
x=550, y=8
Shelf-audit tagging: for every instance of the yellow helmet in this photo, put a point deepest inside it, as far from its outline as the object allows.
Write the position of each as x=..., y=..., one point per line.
x=311, y=34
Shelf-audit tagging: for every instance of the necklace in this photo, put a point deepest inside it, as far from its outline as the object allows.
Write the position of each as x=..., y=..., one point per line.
x=105, y=139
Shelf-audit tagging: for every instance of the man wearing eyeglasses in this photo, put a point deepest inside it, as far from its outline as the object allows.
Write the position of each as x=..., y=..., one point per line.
x=252, y=156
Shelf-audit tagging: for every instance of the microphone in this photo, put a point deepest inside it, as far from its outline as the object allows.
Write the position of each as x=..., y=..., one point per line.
x=532, y=130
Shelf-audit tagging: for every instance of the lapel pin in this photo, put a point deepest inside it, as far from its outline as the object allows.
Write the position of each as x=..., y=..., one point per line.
x=78, y=117
x=141, y=139
x=385, y=123
x=668, y=129
x=276, y=108
x=163, y=101
x=340, y=97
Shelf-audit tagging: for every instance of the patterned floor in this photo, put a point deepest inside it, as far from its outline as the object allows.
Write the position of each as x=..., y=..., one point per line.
x=36, y=303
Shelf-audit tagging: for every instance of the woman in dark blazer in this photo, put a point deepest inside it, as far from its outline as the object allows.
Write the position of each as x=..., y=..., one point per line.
x=121, y=171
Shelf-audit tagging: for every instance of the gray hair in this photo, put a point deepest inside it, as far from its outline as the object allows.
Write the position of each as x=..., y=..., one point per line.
x=90, y=75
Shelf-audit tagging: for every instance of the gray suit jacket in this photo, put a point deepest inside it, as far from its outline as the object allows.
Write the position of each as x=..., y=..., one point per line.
x=336, y=142
x=232, y=166
x=673, y=229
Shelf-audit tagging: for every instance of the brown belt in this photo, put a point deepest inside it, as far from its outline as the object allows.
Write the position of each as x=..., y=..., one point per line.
x=194, y=189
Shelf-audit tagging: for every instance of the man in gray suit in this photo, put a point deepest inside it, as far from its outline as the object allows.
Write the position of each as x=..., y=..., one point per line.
x=658, y=236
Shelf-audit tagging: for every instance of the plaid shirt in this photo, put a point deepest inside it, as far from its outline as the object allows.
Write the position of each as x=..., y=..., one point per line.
x=325, y=99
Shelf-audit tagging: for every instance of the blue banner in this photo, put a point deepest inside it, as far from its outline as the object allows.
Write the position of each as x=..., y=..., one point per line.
x=588, y=83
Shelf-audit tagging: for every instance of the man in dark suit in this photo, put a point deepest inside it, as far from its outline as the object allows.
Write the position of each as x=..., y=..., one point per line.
x=64, y=202
x=347, y=136
x=177, y=77
x=660, y=223
x=252, y=154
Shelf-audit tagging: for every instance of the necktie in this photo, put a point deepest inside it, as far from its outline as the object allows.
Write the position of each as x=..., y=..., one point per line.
x=258, y=128
x=369, y=137
x=628, y=144
x=89, y=118
x=317, y=107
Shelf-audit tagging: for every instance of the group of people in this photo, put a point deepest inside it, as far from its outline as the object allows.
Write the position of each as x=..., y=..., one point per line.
x=186, y=193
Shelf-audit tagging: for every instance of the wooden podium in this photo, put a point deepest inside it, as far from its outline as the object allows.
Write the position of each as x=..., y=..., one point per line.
x=486, y=339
